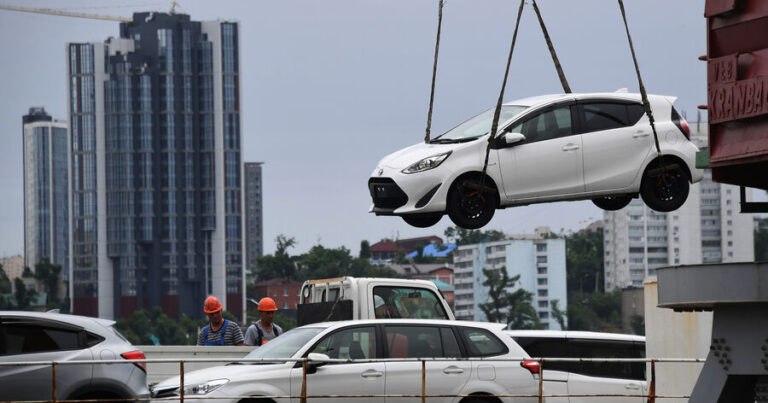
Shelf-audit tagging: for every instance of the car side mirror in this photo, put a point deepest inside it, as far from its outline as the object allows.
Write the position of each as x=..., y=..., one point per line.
x=512, y=138
x=316, y=360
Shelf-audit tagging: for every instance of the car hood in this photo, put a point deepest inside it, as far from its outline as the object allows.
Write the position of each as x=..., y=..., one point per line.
x=231, y=372
x=410, y=155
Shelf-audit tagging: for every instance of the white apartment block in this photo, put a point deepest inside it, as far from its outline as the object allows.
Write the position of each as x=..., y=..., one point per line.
x=540, y=263
x=708, y=228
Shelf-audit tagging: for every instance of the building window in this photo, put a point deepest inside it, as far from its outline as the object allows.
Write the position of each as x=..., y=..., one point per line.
x=285, y=292
x=543, y=293
x=542, y=270
x=542, y=281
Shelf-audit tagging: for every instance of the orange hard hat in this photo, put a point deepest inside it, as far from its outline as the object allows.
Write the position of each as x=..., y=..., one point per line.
x=212, y=305
x=267, y=304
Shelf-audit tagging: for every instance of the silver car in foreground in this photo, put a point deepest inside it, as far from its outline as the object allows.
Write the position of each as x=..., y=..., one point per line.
x=47, y=337
x=474, y=372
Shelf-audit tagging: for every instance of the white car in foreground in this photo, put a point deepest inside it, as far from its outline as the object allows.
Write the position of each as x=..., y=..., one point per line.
x=369, y=339
x=549, y=148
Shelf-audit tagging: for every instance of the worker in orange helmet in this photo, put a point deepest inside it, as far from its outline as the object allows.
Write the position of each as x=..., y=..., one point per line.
x=264, y=329
x=219, y=332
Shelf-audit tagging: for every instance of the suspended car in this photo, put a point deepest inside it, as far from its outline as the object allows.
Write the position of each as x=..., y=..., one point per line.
x=548, y=148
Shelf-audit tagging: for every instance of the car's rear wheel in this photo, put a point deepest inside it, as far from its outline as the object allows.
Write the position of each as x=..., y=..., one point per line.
x=423, y=220
x=470, y=204
x=612, y=203
x=665, y=185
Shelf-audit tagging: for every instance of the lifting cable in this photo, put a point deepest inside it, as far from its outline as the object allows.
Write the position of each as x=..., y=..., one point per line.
x=434, y=69
x=643, y=93
x=558, y=67
x=497, y=112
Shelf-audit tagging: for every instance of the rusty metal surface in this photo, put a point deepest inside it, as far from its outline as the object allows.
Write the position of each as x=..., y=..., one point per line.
x=737, y=87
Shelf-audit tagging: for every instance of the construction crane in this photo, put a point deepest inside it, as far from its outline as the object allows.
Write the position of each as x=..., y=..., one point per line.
x=61, y=13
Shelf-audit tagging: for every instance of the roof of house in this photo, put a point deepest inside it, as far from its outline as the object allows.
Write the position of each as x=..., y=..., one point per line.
x=387, y=246
x=435, y=250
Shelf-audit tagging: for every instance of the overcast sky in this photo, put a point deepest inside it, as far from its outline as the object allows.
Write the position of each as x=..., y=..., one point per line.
x=331, y=86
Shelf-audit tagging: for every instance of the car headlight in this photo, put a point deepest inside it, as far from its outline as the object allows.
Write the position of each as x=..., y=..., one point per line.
x=427, y=163
x=204, y=388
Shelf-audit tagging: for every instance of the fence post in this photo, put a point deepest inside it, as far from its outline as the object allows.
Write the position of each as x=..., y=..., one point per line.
x=541, y=381
x=423, y=381
x=652, y=387
x=304, y=381
x=181, y=381
x=53, y=380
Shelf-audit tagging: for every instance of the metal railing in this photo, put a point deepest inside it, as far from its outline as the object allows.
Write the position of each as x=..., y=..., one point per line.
x=304, y=395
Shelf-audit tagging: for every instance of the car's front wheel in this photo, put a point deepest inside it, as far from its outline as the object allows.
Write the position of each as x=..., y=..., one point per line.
x=612, y=203
x=423, y=220
x=665, y=185
x=470, y=204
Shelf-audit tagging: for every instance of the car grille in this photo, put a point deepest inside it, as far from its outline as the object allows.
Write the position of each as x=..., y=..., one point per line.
x=386, y=194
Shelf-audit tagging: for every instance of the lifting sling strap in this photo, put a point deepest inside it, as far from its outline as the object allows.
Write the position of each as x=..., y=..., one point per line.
x=434, y=70
x=558, y=67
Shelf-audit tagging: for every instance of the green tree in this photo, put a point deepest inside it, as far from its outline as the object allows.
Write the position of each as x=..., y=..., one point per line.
x=365, y=250
x=279, y=265
x=48, y=273
x=24, y=297
x=558, y=314
x=584, y=262
x=596, y=311
x=322, y=262
x=513, y=308
x=638, y=324
x=5, y=289
x=761, y=241
x=461, y=236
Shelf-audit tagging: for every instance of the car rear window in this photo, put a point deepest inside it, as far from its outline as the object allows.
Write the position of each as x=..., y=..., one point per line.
x=482, y=343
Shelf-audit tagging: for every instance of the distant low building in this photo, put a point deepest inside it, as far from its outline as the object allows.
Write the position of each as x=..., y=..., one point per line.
x=284, y=291
x=13, y=266
x=387, y=250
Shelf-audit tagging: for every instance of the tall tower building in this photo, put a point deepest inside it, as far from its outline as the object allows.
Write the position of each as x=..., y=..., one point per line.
x=708, y=228
x=254, y=221
x=46, y=206
x=156, y=156
x=539, y=261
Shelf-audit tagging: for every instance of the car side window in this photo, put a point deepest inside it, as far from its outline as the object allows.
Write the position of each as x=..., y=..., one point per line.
x=547, y=125
x=538, y=347
x=354, y=343
x=25, y=338
x=414, y=342
x=482, y=343
x=611, y=115
x=607, y=349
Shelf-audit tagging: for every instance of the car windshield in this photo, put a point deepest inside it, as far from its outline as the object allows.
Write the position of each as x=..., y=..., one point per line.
x=286, y=345
x=479, y=125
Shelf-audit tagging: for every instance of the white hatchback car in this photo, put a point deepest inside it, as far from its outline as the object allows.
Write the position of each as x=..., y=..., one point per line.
x=370, y=381
x=549, y=148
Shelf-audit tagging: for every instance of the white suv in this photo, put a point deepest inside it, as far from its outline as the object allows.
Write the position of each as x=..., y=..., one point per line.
x=477, y=375
x=610, y=378
x=549, y=148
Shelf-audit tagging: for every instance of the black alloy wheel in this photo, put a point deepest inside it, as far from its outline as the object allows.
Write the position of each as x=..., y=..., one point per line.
x=665, y=186
x=471, y=206
x=612, y=203
x=423, y=220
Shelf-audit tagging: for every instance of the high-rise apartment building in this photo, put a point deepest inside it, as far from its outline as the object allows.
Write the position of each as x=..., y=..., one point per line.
x=46, y=202
x=708, y=228
x=156, y=165
x=254, y=218
x=540, y=262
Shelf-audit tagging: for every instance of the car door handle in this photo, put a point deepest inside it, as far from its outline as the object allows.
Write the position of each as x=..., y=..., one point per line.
x=632, y=386
x=641, y=133
x=453, y=370
x=372, y=373
x=571, y=147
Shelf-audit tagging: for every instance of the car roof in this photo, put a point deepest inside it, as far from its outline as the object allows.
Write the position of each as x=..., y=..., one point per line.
x=549, y=98
x=77, y=320
x=433, y=322
x=575, y=334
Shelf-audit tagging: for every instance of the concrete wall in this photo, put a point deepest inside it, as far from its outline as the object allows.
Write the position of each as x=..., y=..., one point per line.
x=157, y=372
x=671, y=334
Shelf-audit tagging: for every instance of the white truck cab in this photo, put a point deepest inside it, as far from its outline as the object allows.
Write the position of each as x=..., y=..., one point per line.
x=344, y=298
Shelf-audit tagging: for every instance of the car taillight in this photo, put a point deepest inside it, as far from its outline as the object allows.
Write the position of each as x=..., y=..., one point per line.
x=136, y=355
x=532, y=366
x=686, y=128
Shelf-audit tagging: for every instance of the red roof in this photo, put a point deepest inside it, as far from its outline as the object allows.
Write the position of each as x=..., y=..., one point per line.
x=387, y=246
